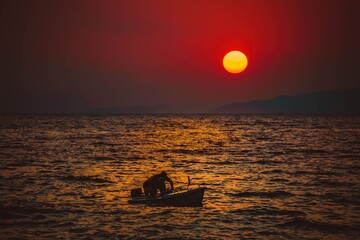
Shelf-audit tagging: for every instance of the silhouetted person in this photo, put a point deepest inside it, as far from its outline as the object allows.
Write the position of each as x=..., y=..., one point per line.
x=157, y=182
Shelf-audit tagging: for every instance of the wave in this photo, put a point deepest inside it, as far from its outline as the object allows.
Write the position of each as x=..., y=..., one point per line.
x=101, y=143
x=276, y=171
x=319, y=173
x=224, y=163
x=92, y=179
x=101, y=158
x=336, y=197
x=274, y=194
x=303, y=223
x=266, y=162
x=331, y=183
x=9, y=215
x=278, y=180
x=187, y=151
x=19, y=212
x=348, y=156
x=278, y=153
x=268, y=211
x=20, y=163
x=337, y=184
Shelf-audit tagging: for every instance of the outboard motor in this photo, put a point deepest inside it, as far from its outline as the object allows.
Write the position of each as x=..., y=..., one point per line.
x=137, y=192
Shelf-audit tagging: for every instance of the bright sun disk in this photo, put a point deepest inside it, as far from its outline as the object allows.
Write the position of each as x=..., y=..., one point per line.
x=235, y=62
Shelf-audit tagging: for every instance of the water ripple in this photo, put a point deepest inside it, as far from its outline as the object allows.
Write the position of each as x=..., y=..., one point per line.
x=267, y=176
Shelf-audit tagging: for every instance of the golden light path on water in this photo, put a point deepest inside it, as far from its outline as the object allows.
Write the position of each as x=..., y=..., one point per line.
x=266, y=176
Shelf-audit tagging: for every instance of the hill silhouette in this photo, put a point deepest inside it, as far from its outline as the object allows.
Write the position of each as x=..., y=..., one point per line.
x=327, y=102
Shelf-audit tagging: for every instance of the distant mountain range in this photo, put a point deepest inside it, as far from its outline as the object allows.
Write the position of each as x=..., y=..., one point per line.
x=335, y=101
x=327, y=102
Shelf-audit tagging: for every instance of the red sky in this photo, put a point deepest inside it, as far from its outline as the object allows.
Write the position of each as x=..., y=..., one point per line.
x=64, y=56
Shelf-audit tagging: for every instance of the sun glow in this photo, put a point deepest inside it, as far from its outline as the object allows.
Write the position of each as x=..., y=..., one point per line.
x=235, y=62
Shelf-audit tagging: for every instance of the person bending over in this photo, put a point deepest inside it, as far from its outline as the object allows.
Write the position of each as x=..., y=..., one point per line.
x=157, y=182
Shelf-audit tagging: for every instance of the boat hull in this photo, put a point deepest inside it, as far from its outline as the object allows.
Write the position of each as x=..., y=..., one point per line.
x=193, y=197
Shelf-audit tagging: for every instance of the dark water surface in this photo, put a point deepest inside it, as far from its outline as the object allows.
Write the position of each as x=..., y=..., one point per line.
x=270, y=177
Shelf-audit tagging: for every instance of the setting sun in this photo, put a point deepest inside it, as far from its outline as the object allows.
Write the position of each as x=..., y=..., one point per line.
x=235, y=62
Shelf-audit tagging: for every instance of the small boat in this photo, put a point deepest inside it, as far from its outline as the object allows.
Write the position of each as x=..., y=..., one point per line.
x=182, y=198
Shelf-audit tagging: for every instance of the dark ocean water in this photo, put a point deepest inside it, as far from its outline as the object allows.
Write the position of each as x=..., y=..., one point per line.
x=268, y=177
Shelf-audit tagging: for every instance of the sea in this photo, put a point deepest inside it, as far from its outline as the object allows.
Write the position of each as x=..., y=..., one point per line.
x=266, y=176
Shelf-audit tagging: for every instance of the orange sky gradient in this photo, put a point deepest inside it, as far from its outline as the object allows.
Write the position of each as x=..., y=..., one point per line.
x=64, y=56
